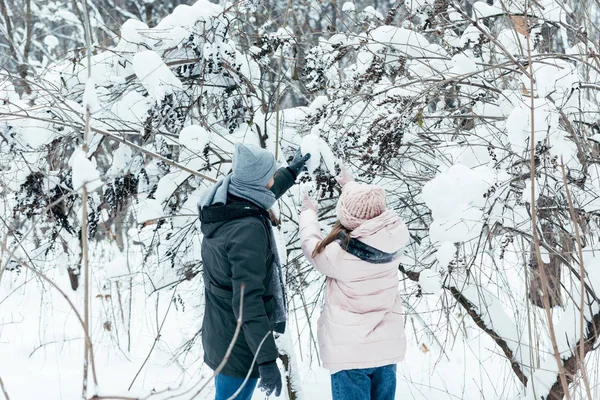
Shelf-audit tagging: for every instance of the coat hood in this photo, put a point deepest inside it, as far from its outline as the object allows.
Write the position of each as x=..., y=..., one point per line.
x=385, y=232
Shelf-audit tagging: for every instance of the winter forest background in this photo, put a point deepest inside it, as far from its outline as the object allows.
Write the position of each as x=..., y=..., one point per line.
x=480, y=119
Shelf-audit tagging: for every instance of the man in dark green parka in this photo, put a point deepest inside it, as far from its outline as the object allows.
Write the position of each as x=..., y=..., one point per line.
x=239, y=248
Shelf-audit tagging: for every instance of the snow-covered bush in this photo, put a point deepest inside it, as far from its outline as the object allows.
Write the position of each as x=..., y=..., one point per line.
x=448, y=107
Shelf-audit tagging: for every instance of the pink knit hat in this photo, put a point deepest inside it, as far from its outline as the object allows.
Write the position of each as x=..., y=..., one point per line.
x=359, y=203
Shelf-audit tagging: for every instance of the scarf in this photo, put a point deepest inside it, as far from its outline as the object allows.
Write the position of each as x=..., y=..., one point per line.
x=364, y=251
x=255, y=194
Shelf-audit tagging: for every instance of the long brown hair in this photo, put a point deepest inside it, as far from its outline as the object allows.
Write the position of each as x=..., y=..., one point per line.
x=333, y=235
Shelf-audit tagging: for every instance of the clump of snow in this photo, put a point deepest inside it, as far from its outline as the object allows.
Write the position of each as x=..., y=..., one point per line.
x=455, y=16
x=430, y=281
x=462, y=65
x=445, y=253
x=84, y=172
x=130, y=31
x=35, y=133
x=553, y=76
x=121, y=160
x=317, y=103
x=187, y=16
x=153, y=73
x=456, y=198
x=484, y=10
x=371, y=12
x=90, y=97
x=51, y=42
x=319, y=150
x=149, y=209
x=130, y=36
x=348, y=7
x=471, y=35
x=178, y=36
x=194, y=137
x=413, y=5
x=131, y=108
x=405, y=41
x=518, y=124
x=310, y=145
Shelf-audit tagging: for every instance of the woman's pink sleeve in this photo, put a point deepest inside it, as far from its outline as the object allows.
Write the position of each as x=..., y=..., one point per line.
x=310, y=236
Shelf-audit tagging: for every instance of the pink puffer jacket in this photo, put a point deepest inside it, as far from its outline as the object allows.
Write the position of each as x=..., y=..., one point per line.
x=361, y=325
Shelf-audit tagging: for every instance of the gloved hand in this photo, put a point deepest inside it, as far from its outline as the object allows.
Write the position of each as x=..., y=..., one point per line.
x=345, y=176
x=298, y=163
x=309, y=204
x=270, y=378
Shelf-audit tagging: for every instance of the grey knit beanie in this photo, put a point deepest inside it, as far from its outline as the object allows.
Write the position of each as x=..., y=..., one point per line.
x=252, y=166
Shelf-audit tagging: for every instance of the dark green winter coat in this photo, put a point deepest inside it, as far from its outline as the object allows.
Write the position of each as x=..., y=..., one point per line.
x=235, y=250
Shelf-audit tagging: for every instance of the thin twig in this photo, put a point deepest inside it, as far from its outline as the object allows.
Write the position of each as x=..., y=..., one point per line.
x=114, y=137
x=536, y=241
x=581, y=280
x=156, y=339
x=85, y=265
x=233, y=396
x=312, y=336
x=6, y=396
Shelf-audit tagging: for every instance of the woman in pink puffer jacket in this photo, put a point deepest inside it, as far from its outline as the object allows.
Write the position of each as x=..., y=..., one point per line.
x=361, y=328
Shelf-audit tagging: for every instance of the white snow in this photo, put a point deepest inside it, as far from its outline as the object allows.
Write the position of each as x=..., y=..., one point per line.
x=132, y=108
x=319, y=150
x=430, y=281
x=130, y=34
x=35, y=133
x=310, y=144
x=371, y=12
x=405, y=41
x=90, y=97
x=178, y=36
x=156, y=77
x=84, y=172
x=348, y=7
x=122, y=158
x=51, y=42
x=149, y=210
x=484, y=10
x=455, y=198
x=462, y=65
x=194, y=137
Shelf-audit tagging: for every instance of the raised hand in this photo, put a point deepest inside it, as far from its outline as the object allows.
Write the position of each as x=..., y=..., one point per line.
x=345, y=176
x=308, y=203
x=298, y=163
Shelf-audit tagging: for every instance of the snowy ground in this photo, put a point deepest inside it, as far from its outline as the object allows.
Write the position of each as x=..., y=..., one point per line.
x=41, y=344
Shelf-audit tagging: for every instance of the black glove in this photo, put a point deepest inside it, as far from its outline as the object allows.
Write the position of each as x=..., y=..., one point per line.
x=270, y=378
x=298, y=163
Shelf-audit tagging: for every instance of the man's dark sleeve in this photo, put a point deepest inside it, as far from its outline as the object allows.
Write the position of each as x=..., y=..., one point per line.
x=247, y=253
x=284, y=179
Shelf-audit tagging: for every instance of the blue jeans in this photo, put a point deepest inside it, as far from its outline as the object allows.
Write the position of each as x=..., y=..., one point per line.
x=365, y=384
x=226, y=386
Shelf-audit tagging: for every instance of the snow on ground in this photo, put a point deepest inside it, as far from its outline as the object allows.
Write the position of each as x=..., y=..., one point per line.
x=45, y=361
x=41, y=341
